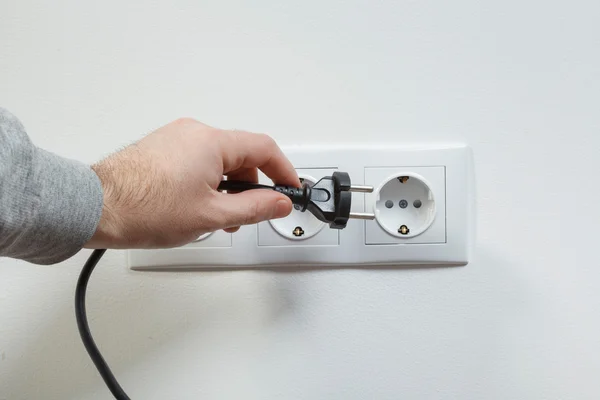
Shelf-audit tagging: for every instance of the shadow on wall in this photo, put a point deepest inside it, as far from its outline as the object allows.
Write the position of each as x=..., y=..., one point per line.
x=132, y=318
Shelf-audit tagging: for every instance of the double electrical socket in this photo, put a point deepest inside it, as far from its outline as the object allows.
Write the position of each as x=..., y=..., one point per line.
x=422, y=201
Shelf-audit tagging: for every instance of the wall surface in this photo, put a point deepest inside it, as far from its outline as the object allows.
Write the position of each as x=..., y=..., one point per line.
x=519, y=80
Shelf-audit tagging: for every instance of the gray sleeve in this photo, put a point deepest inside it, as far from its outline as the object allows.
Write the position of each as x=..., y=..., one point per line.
x=49, y=206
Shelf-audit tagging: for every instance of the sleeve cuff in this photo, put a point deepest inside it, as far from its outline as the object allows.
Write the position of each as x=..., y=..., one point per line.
x=69, y=208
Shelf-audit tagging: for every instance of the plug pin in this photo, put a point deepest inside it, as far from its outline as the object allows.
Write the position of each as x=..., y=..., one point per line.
x=361, y=216
x=361, y=189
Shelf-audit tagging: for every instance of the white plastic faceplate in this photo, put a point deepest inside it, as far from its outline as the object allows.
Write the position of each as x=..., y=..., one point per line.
x=362, y=243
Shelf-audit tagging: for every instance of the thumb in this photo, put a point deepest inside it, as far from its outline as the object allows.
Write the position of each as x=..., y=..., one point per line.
x=251, y=207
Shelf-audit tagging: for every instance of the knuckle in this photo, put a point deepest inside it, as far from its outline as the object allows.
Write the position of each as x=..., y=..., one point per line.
x=252, y=216
x=217, y=219
x=232, y=140
x=209, y=218
x=236, y=136
x=185, y=121
x=269, y=142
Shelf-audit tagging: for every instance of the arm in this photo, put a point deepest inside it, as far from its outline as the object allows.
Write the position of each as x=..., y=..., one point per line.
x=160, y=192
x=49, y=206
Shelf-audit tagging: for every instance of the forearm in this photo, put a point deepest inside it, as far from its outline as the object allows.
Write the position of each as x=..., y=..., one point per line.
x=161, y=192
x=49, y=206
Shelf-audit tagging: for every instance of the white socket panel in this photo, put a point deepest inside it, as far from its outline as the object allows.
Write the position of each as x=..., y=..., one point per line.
x=447, y=169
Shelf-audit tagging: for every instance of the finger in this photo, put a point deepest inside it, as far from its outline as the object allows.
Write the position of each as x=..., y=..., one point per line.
x=244, y=150
x=232, y=230
x=250, y=207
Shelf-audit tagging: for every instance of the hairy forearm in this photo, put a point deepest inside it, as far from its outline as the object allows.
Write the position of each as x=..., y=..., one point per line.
x=160, y=192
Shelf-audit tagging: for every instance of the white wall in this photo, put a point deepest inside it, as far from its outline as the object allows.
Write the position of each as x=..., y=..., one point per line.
x=519, y=80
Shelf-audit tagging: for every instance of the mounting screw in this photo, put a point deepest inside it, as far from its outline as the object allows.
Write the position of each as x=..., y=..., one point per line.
x=404, y=230
x=403, y=204
x=298, y=231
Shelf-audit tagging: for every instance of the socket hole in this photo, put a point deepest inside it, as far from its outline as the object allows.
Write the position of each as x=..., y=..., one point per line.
x=417, y=203
x=403, y=203
x=389, y=204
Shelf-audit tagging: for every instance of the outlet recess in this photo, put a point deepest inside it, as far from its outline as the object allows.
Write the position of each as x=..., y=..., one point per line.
x=212, y=239
x=445, y=240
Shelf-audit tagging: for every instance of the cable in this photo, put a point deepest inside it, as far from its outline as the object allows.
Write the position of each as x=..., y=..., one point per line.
x=299, y=196
x=80, y=290
x=84, y=329
x=328, y=200
x=240, y=186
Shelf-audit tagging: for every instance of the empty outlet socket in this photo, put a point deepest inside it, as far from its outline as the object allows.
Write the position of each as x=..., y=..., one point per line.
x=405, y=205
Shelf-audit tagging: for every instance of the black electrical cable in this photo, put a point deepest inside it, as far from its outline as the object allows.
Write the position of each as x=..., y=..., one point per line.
x=240, y=186
x=300, y=197
x=88, y=268
x=84, y=329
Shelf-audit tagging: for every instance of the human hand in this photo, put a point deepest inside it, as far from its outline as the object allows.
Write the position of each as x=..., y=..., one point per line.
x=161, y=192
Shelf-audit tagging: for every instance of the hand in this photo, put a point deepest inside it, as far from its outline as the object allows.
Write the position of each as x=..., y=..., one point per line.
x=161, y=192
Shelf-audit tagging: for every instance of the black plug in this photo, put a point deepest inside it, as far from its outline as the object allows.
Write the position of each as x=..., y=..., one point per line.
x=329, y=200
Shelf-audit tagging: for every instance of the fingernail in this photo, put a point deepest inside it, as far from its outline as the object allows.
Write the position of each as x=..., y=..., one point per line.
x=282, y=209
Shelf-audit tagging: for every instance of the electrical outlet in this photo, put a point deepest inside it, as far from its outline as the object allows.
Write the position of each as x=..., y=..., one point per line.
x=430, y=220
x=409, y=205
x=299, y=228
